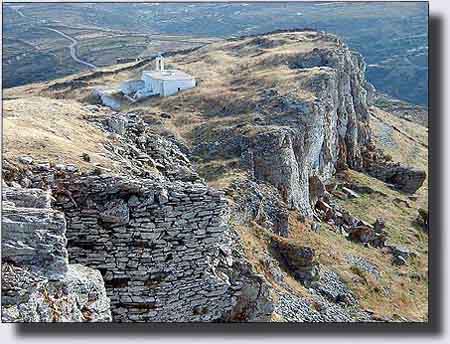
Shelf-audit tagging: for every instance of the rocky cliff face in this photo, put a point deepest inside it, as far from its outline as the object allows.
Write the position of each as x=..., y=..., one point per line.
x=320, y=134
x=38, y=284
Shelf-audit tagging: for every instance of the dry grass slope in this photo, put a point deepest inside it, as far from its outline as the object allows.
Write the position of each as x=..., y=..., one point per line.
x=51, y=130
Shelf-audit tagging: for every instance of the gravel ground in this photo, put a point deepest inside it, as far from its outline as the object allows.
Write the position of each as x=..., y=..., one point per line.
x=363, y=264
x=330, y=301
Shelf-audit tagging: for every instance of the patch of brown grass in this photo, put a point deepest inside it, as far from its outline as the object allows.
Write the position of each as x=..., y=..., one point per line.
x=401, y=291
x=51, y=130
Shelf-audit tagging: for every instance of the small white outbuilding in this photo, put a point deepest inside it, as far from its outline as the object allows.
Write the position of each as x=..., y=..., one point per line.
x=166, y=82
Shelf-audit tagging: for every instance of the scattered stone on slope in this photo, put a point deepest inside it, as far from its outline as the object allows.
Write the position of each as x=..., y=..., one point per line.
x=400, y=254
x=254, y=301
x=331, y=286
x=422, y=219
x=322, y=305
x=27, y=160
x=362, y=264
x=350, y=193
x=351, y=227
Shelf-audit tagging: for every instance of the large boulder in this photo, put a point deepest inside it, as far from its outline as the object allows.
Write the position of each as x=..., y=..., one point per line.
x=300, y=261
x=404, y=178
x=35, y=238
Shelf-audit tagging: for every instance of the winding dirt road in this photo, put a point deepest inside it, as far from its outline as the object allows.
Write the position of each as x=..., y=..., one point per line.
x=72, y=47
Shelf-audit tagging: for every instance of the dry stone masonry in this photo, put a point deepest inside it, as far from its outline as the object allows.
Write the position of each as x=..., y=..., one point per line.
x=161, y=246
x=164, y=248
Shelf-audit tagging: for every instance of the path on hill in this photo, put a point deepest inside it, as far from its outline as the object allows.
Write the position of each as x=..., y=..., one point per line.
x=74, y=42
x=19, y=12
x=399, y=130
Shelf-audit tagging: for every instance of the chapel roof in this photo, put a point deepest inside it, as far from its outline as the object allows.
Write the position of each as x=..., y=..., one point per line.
x=169, y=74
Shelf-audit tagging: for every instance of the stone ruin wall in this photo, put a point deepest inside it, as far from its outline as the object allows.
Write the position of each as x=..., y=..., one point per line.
x=162, y=248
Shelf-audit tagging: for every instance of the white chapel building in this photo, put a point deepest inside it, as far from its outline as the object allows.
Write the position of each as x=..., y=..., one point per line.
x=159, y=82
x=166, y=82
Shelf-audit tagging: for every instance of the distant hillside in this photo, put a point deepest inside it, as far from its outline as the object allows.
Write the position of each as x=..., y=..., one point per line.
x=392, y=37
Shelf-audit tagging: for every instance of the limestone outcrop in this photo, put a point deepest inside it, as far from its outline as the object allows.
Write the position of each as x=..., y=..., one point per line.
x=79, y=296
x=34, y=237
x=260, y=203
x=317, y=136
x=38, y=284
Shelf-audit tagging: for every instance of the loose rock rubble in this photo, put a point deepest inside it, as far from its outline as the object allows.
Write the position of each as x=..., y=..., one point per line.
x=400, y=255
x=357, y=230
x=142, y=152
x=364, y=265
x=351, y=227
x=330, y=300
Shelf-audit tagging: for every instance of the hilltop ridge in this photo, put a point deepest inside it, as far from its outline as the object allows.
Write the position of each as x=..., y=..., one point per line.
x=249, y=177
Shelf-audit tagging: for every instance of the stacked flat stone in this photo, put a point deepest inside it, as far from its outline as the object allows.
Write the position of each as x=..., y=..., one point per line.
x=160, y=245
